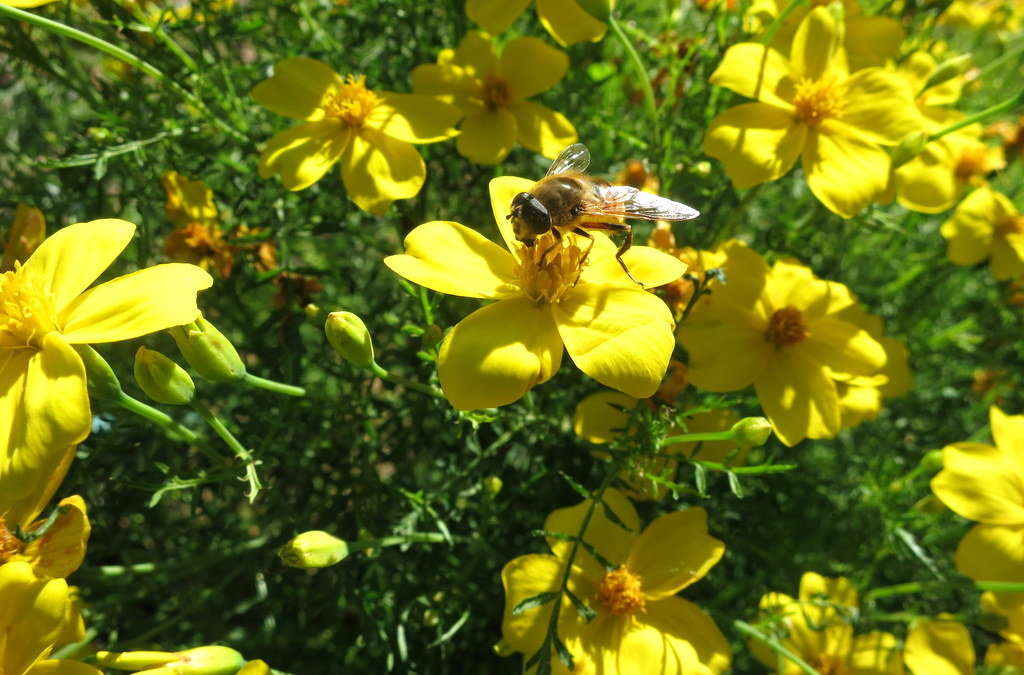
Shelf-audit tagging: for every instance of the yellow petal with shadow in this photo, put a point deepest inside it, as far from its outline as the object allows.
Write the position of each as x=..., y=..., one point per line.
x=378, y=169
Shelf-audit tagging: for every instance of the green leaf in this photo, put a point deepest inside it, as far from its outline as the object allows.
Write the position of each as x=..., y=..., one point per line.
x=534, y=601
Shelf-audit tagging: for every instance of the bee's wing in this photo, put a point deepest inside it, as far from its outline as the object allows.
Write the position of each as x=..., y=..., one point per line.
x=628, y=202
x=575, y=157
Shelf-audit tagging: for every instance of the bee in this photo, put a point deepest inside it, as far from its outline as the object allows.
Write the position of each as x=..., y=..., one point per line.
x=568, y=200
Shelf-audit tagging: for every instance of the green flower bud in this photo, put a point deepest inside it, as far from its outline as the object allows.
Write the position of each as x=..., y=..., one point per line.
x=161, y=379
x=210, y=660
x=599, y=9
x=502, y=648
x=947, y=70
x=314, y=313
x=100, y=135
x=348, y=335
x=932, y=461
x=751, y=431
x=313, y=549
x=431, y=618
x=702, y=169
x=432, y=335
x=929, y=504
x=100, y=379
x=492, y=484
x=208, y=351
x=910, y=147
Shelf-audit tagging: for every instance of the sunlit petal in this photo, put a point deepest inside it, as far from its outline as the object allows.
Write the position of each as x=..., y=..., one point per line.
x=727, y=347
x=524, y=577
x=688, y=623
x=674, y=551
x=378, y=169
x=845, y=172
x=414, y=119
x=756, y=142
x=487, y=137
x=818, y=47
x=541, y=129
x=939, y=648
x=298, y=88
x=798, y=397
x=568, y=22
x=304, y=153
x=609, y=538
x=757, y=72
x=978, y=483
x=30, y=615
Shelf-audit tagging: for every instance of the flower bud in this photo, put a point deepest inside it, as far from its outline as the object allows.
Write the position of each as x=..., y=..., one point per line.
x=751, y=431
x=492, y=484
x=947, y=70
x=314, y=313
x=702, y=169
x=910, y=147
x=929, y=504
x=208, y=351
x=99, y=376
x=599, y=9
x=932, y=461
x=348, y=335
x=432, y=336
x=313, y=549
x=431, y=618
x=210, y=660
x=503, y=649
x=161, y=379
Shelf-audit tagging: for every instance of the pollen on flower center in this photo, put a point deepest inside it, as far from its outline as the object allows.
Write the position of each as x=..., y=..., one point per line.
x=9, y=544
x=621, y=593
x=550, y=269
x=1012, y=225
x=26, y=312
x=817, y=100
x=352, y=102
x=786, y=327
x=973, y=162
x=828, y=664
x=496, y=91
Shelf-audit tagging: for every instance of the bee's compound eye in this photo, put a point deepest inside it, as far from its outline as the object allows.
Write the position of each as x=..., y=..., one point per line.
x=532, y=212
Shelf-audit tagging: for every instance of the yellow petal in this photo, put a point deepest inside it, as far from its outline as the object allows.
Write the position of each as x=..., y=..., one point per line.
x=502, y=191
x=870, y=40
x=727, y=347
x=541, y=129
x=1007, y=259
x=1008, y=432
x=304, y=153
x=72, y=258
x=60, y=551
x=623, y=648
x=756, y=142
x=378, y=169
x=599, y=418
x=843, y=347
x=969, y=232
x=136, y=304
x=414, y=119
x=798, y=397
x=568, y=22
x=745, y=271
x=844, y=172
x=63, y=667
x=685, y=622
x=494, y=355
x=488, y=136
x=928, y=182
x=833, y=590
x=450, y=258
x=524, y=577
x=495, y=16
x=45, y=408
x=880, y=106
x=757, y=72
x=607, y=537
x=620, y=336
x=939, y=648
x=532, y=66
x=674, y=551
x=297, y=88
x=858, y=403
x=992, y=553
x=818, y=47
x=449, y=83
x=977, y=482
x=876, y=653
x=650, y=266
x=30, y=615
x=476, y=54
x=22, y=511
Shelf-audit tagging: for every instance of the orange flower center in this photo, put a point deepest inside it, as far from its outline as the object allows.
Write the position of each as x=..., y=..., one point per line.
x=621, y=593
x=817, y=100
x=974, y=163
x=1012, y=225
x=26, y=312
x=827, y=664
x=352, y=102
x=786, y=327
x=550, y=269
x=496, y=91
x=9, y=544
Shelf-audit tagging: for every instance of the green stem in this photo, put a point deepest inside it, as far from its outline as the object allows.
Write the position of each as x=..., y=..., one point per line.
x=997, y=62
x=271, y=385
x=641, y=72
x=950, y=585
x=240, y=451
x=693, y=438
x=776, y=23
x=398, y=540
x=1008, y=104
x=166, y=422
x=383, y=374
x=774, y=645
x=123, y=56
x=156, y=29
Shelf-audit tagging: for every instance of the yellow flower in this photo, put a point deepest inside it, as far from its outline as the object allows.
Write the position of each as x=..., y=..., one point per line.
x=614, y=331
x=996, y=14
x=60, y=550
x=987, y=225
x=565, y=20
x=810, y=106
x=44, y=310
x=940, y=647
x=601, y=417
x=869, y=40
x=782, y=330
x=641, y=625
x=197, y=237
x=491, y=91
x=369, y=132
x=816, y=627
x=26, y=4
x=1011, y=607
x=31, y=619
x=28, y=230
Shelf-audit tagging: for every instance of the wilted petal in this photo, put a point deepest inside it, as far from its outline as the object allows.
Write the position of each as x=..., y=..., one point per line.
x=497, y=353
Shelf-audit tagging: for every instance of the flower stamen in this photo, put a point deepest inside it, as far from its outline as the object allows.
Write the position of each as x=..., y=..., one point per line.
x=550, y=269
x=26, y=311
x=786, y=327
x=352, y=102
x=621, y=592
x=829, y=664
x=817, y=100
x=496, y=91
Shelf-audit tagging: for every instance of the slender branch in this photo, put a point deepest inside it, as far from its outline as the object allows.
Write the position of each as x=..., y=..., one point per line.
x=240, y=451
x=999, y=108
x=384, y=374
x=774, y=645
x=174, y=428
x=271, y=385
x=641, y=73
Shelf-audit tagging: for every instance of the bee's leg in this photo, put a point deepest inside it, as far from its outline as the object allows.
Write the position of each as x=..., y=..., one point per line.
x=583, y=233
x=558, y=241
x=620, y=227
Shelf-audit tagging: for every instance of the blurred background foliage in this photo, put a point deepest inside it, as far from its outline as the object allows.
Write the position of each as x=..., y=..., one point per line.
x=178, y=557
